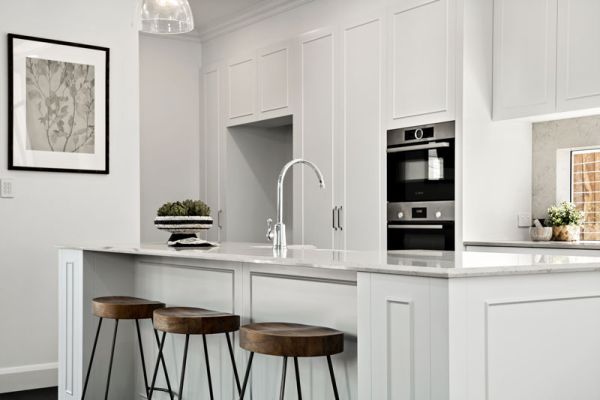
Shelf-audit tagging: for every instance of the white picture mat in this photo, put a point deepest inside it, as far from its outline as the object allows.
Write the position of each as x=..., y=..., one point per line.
x=23, y=157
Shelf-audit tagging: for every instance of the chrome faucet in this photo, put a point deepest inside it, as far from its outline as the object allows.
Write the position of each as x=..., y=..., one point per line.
x=277, y=233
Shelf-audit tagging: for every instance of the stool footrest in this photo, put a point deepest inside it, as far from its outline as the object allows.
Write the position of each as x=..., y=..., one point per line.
x=165, y=390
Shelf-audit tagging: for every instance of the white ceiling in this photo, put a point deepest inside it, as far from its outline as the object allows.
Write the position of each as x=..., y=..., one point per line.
x=208, y=12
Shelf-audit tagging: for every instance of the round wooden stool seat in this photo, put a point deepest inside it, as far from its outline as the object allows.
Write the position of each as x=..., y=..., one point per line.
x=123, y=307
x=194, y=321
x=291, y=340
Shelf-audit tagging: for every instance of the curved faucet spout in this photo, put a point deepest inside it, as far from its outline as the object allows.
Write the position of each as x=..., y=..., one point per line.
x=281, y=178
x=279, y=239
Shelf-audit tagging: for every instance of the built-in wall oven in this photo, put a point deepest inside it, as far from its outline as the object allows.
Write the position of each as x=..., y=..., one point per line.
x=420, y=187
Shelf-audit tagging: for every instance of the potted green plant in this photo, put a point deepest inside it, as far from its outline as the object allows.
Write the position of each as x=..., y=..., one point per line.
x=566, y=222
x=183, y=219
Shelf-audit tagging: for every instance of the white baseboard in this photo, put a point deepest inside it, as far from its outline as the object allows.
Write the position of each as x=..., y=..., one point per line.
x=26, y=377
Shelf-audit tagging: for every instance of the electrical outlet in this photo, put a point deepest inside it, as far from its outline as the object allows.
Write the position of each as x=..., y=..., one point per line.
x=7, y=188
x=524, y=220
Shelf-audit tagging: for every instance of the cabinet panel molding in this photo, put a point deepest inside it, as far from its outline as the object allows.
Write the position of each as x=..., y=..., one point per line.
x=363, y=135
x=273, y=79
x=578, y=80
x=317, y=55
x=524, y=57
x=421, y=62
x=400, y=347
x=213, y=149
x=242, y=88
x=535, y=317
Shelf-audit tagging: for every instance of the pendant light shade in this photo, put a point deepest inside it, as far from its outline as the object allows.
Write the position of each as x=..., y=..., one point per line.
x=166, y=16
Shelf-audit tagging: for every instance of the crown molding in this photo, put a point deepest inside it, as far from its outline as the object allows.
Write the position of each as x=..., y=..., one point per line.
x=263, y=10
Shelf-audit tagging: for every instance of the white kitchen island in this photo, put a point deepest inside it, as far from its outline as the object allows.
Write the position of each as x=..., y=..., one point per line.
x=435, y=325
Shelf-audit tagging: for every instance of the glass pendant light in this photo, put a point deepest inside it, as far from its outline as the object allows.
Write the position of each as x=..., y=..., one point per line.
x=166, y=16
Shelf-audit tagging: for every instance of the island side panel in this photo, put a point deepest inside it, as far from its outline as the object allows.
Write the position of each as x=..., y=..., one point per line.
x=211, y=285
x=529, y=337
x=310, y=296
x=406, y=349
x=83, y=276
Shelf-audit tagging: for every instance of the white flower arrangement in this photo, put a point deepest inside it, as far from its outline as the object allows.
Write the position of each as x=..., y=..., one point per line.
x=565, y=213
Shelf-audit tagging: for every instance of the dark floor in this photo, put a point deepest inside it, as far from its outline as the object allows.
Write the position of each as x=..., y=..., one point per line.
x=40, y=394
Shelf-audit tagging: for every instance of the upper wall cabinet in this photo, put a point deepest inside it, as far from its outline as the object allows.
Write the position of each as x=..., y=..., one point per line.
x=524, y=57
x=260, y=84
x=242, y=90
x=422, y=62
x=546, y=57
x=274, y=80
x=578, y=80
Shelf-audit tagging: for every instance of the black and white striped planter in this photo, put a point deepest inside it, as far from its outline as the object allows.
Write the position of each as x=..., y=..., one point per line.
x=183, y=227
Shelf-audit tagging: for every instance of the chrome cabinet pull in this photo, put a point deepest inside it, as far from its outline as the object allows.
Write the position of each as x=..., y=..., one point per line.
x=219, y=219
x=339, y=224
x=333, y=225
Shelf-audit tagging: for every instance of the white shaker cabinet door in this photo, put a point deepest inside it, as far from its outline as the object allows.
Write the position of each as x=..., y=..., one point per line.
x=578, y=77
x=274, y=80
x=363, y=135
x=212, y=110
x=524, y=58
x=241, y=77
x=421, y=54
x=317, y=124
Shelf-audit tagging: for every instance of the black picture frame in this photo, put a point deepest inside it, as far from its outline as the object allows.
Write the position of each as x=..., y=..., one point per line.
x=11, y=37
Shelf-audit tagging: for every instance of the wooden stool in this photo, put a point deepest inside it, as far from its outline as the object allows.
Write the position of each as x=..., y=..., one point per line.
x=291, y=340
x=118, y=308
x=194, y=321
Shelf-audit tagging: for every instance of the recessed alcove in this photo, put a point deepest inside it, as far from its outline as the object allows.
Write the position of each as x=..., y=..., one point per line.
x=256, y=153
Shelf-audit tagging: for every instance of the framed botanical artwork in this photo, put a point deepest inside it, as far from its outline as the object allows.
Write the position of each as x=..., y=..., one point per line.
x=58, y=106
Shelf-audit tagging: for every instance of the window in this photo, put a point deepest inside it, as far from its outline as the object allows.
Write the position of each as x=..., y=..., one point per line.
x=585, y=190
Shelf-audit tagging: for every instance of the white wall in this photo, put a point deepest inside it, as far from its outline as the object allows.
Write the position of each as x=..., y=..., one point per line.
x=54, y=208
x=169, y=126
x=496, y=154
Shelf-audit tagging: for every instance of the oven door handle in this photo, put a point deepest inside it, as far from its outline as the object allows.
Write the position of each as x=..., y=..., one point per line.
x=403, y=149
x=425, y=227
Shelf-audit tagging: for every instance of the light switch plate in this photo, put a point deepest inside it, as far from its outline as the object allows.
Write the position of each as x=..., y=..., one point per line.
x=524, y=220
x=7, y=188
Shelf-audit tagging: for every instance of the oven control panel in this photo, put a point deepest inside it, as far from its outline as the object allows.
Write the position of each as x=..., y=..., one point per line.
x=421, y=211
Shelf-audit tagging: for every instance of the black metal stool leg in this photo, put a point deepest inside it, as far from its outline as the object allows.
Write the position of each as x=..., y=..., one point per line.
x=335, y=390
x=210, y=387
x=298, y=387
x=185, y=352
x=235, y=371
x=112, y=354
x=283, y=372
x=87, y=375
x=139, y=335
x=164, y=365
x=160, y=351
x=246, y=375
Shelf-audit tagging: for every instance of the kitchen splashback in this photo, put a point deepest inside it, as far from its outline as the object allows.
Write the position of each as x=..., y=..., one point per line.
x=552, y=142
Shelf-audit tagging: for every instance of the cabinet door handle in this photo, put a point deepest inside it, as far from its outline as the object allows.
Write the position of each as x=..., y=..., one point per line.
x=333, y=225
x=339, y=224
x=219, y=219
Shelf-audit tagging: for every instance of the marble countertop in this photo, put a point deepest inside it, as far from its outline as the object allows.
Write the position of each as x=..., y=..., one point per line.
x=538, y=245
x=438, y=264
